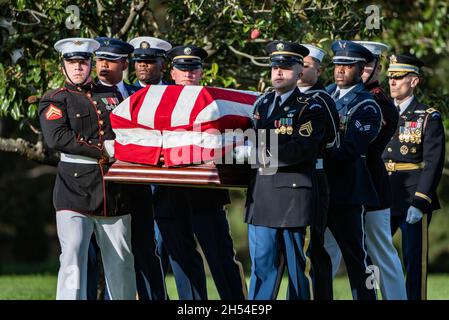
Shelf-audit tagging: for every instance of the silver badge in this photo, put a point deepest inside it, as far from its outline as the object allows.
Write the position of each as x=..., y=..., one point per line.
x=187, y=51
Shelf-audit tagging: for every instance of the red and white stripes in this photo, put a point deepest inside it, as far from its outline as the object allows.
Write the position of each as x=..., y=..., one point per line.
x=185, y=123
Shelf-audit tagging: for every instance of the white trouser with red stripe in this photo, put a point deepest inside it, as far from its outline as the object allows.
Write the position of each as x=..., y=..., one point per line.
x=384, y=255
x=113, y=235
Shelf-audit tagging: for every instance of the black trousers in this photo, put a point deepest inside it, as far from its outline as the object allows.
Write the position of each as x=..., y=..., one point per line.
x=347, y=224
x=415, y=243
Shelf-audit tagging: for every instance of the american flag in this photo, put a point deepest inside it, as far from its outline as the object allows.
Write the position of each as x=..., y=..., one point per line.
x=185, y=124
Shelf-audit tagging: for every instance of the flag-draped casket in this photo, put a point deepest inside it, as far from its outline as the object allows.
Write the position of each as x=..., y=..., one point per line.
x=184, y=124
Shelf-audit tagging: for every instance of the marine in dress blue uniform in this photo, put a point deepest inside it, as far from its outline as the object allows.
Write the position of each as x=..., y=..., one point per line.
x=351, y=186
x=414, y=159
x=75, y=122
x=182, y=213
x=150, y=282
x=280, y=206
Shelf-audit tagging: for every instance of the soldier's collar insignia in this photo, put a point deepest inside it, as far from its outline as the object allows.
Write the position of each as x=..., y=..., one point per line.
x=144, y=45
x=280, y=46
x=187, y=51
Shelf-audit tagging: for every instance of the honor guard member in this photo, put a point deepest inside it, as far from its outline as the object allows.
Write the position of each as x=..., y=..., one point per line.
x=379, y=240
x=182, y=213
x=111, y=60
x=311, y=85
x=281, y=204
x=414, y=159
x=351, y=186
x=149, y=60
x=75, y=122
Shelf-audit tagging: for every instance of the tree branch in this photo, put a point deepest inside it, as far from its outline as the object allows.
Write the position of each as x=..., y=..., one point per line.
x=135, y=9
x=35, y=152
x=252, y=58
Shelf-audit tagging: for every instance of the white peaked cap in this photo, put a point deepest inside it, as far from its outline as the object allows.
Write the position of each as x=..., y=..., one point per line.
x=315, y=52
x=376, y=48
x=151, y=43
x=76, y=45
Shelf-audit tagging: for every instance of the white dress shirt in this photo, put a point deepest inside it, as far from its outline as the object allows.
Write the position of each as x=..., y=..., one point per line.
x=284, y=97
x=404, y=104
x=120, y=87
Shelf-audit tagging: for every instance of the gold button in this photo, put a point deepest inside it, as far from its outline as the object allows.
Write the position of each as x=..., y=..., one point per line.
x=75, y=174
x=99, y=144
x=294, y=185
x=389, y=149
x=100, y=122
x=81, y=139
x=99, y=111
x=94, y=102
x=90, y=141
x=88, y=95
x=101, y=132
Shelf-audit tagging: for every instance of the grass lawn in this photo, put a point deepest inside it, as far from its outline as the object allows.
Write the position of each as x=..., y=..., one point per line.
x=43, y=287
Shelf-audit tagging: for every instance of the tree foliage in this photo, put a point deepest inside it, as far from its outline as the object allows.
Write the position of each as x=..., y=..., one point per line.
x=228, y=29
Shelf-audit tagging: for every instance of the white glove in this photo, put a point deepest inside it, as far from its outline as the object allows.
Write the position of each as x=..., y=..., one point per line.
x=242, y=153
x=109, y=148
x=413, y=215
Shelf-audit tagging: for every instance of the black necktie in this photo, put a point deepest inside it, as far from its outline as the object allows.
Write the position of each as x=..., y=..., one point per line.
x=398, y=107
x=277, y=103
x=118, y=93
x=336, y=95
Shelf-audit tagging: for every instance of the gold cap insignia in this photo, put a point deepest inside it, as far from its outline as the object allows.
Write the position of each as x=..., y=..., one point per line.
x=77, y=43
x=187, y=51
x=393, y=59
x=280, y=46
x=342, y=44
x=306, y=129
x=144, y=45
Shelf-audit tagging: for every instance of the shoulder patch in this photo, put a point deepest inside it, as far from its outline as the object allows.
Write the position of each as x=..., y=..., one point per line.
x=53, y=113
x=370, y=107
x=431, y=110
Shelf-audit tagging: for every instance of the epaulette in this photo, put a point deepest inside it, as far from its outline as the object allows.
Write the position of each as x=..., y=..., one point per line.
x=263, y=95
x=431, y=110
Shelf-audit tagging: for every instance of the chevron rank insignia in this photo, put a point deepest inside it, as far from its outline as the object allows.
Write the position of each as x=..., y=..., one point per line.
x=53, y=113
x=306, y=129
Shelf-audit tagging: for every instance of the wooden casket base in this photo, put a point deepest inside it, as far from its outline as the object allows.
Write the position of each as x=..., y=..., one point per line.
x=203, y=175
